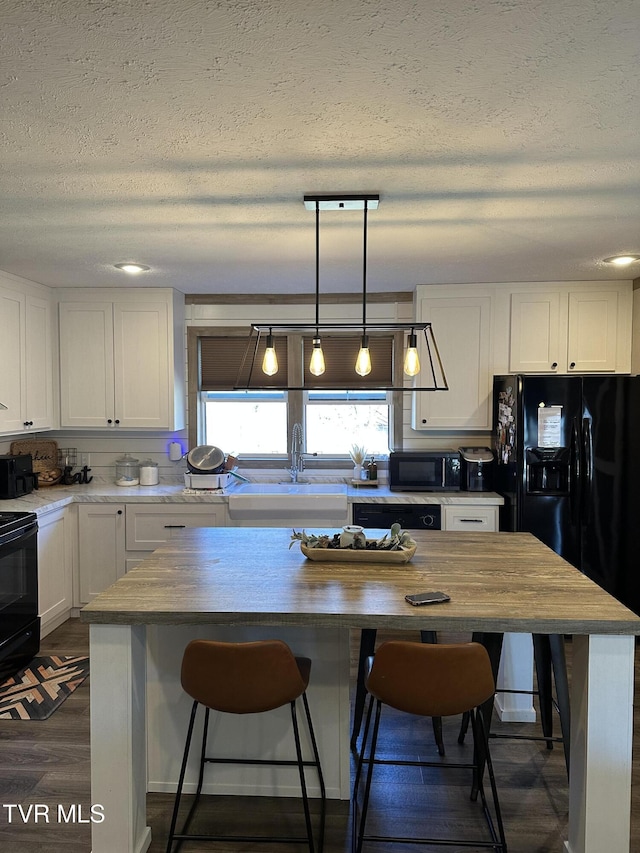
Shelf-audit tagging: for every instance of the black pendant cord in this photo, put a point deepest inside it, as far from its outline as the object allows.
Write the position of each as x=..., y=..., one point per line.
x=317, y=269
x=364, y=271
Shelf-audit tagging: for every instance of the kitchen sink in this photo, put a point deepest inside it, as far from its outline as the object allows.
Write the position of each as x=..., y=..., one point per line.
x=284, y=504
x=289, y=489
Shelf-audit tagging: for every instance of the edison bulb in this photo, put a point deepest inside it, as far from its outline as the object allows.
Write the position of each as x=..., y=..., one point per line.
x=316, y=365
x=411, y=360
x=363, y=361
x=270, y=361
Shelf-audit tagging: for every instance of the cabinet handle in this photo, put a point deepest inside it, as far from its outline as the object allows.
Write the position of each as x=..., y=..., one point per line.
x=117, y=421
x=572, y=365
x=119, y=512
x=174, y=526
x=109, y=421
x=554, y=365
x=424, y=420
x=471, y=520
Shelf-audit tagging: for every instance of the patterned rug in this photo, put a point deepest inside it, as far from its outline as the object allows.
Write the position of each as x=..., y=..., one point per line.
x=40, y=688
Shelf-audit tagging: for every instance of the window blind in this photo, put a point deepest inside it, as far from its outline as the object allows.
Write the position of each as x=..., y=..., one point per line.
x=221, y=363
x=340, y=353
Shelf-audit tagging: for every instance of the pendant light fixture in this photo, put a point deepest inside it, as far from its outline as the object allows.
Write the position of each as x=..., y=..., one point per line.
x=427, y=377
x=363, y=361
x=316, y=363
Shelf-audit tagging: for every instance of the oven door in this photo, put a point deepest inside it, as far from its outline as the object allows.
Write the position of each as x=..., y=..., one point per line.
x=19, y=630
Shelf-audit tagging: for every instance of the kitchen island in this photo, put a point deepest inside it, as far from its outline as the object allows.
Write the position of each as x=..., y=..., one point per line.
x=246, y=583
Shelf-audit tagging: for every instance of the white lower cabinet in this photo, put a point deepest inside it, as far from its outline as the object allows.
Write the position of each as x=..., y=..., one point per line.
x=472, y=517
x=114, y=538
x=101, y=538
x=151, y=525
x=56, y=531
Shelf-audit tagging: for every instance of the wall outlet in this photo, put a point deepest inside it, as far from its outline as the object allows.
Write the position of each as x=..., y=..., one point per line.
x=85, y=459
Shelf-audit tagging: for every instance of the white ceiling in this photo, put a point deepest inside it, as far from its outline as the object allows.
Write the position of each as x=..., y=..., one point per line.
x=502, y=135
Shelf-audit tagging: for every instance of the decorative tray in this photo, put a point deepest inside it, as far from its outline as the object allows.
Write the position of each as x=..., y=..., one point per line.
x=44, y=453
x=359, y=555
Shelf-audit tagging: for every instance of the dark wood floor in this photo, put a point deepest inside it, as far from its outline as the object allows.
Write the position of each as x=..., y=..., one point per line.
x=47, y=763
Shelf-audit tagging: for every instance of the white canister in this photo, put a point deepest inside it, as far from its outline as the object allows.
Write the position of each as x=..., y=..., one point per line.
x=149, y=473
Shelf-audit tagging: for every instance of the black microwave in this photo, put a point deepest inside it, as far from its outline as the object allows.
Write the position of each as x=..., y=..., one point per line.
x=424, y=471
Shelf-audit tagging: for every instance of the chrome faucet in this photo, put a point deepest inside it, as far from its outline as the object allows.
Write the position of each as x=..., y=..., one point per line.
x=297, y=456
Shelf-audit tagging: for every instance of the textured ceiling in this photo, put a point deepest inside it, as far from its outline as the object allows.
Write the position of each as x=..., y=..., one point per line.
x=502, y=136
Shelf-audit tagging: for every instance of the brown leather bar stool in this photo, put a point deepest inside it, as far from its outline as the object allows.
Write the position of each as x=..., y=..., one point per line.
x=246, y=678
x=431, y=681
x=367, y=648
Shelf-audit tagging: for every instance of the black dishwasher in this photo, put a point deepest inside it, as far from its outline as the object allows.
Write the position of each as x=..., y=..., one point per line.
x=409, y=516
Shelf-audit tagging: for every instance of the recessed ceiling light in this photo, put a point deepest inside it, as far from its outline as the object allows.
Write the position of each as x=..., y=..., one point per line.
x=622, y=260
x=131, y=268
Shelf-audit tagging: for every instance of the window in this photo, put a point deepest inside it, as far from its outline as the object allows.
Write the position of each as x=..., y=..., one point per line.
x=252, y=423
x=257, y=422
x=335, y=420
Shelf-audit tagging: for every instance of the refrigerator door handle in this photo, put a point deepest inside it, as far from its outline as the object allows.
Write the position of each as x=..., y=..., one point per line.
x=587, y=449
x=575, y=474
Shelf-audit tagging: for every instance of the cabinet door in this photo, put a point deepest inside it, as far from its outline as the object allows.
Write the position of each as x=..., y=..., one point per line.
x=101, y=555
x=86, y=364
x=478, y=519
x=151, y=525
x=39, y=374
x=12, y=359
x=535, y=344
x=593, y=327
x=55, y=556
x=143, y=373
x=462, y=328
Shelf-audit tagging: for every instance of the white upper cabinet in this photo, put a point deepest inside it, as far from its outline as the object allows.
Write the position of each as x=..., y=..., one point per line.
x=26, y=388
x=570, y=330
x=592, y=340
x=535, y=332
x=122, y=361
x=461, y=323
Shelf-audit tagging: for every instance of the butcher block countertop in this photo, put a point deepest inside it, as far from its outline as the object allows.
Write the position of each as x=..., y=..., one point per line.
x=498, y=582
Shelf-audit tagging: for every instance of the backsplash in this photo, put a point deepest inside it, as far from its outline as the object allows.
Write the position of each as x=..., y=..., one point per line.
x=103, y=449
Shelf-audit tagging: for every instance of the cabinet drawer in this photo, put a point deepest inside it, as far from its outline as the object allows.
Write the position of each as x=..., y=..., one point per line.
x=152, y=525
x=477, y=518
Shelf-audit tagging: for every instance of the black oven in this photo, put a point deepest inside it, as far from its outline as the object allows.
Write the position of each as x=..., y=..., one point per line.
x=19, y=621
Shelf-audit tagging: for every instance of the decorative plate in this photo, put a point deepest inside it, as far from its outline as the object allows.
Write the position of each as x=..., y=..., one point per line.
x=351, y=555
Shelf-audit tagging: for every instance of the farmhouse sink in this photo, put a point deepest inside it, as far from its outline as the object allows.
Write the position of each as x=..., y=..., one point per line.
x=289, y=502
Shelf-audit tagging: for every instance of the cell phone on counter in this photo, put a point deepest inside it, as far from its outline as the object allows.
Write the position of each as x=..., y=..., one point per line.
x=427, y=598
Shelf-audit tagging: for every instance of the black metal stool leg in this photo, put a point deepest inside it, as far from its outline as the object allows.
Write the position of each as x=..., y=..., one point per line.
x=183, y=769
x=542, y=658
x=367, y=648
x=559, y=660
x=436, y=722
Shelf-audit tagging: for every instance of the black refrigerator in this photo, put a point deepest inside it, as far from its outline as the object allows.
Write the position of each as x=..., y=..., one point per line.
x=568, y=466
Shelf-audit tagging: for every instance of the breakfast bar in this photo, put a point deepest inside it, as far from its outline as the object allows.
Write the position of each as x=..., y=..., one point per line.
x=247, y=583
